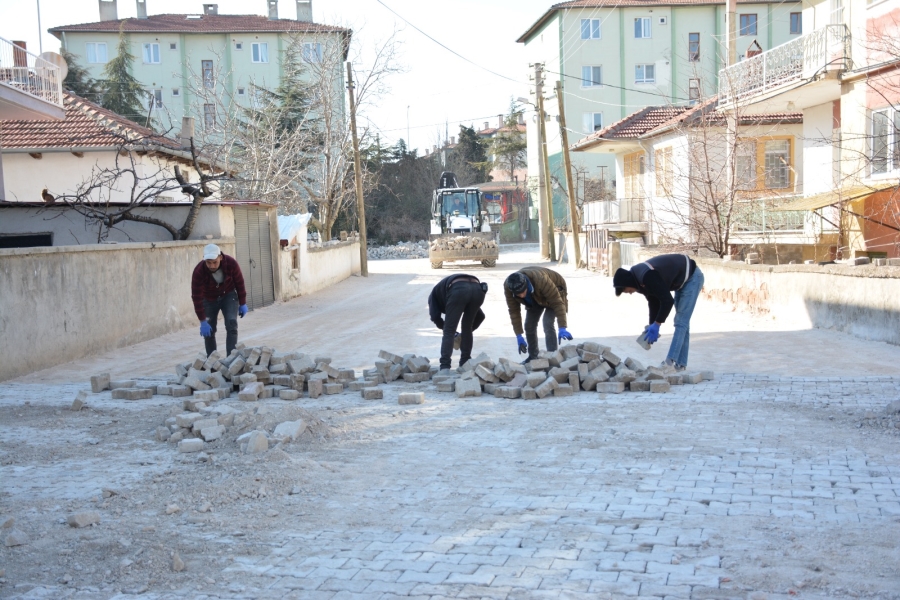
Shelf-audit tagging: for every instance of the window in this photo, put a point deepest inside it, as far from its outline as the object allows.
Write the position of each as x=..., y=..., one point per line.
x=642, y=27
x=241, y=91
x=96, y=52
x=796, y=23
x=693, y=47
x=151, y=54
x=693, y=90
x=590, y=29
x=260, y=52
x=885, y=141
x=176, y=92
x=157, y=99
x=634, y=171
x=173, y=46
x=745, y=166
x=239, y=45
x=748, y=24
x=772, y=155
x=837, y=12
x=663, y=166
x=591, y=76
x=312, y=52
x=777, y=154
x=644, y=73
x=208, y=75
x=209, y=115
x=593, y=122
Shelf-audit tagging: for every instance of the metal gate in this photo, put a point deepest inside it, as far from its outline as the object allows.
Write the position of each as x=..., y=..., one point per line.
x=254, y=254
x=597, y=241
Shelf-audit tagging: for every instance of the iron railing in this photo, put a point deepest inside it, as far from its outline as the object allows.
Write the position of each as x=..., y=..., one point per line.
x=30, y=74
x=611, y=212
x=801, y=59
x=759, y=216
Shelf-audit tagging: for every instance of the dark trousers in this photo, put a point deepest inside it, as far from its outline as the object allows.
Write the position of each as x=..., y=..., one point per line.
x=532, y=316
x=228, y=304
x=463, y=301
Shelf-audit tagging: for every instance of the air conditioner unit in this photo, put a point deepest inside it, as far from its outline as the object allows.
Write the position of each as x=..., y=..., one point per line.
x=663, y=20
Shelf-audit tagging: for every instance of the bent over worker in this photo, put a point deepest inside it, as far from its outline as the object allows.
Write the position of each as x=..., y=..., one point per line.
x=218, y=285
x=459, y=297
x=656, y=279
x=542, y=292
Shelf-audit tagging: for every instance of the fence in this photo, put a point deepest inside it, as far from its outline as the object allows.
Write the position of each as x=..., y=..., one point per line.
x=28, y=73
x=629, y=252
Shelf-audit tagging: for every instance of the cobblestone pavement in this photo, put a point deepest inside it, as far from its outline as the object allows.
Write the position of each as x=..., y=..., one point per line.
x=754, y=485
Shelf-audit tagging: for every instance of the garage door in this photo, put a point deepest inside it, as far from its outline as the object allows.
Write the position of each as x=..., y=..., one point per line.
x=254, y=255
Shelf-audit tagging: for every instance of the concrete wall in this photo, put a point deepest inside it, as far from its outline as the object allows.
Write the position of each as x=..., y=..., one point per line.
x=64, y=303
x=317, y=268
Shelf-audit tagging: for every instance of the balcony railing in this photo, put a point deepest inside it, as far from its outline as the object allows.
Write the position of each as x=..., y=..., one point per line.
x=612, y=212
x=30, y=74
x=760, y=216
x=825, y=49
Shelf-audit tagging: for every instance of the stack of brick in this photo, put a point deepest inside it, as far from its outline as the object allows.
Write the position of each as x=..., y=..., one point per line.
x=462, y=243
x=391, y=367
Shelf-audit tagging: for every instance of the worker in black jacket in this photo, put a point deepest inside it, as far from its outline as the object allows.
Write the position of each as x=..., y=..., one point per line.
x=656, y=279
x=459, y=297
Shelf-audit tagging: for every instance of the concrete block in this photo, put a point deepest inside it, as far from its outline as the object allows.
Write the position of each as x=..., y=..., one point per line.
x=207, y=396
x=190, y=445
x=195, y=384
x=859, y=260
x=181, y=391
x=289, y=394
x=446, y=386
x=192, y=405
x=674, y=379
x=893, y=262
x=486, y=374
x=546, y=388
x=535, y=379
x=411, y=398
x=570, y=364
x=691, y=378
x=707, y=375
x=278, y=359
x=265, y=355
x=198, y=425
x=394, y=372
x=560, y=374
x=589, y=356
x=253, y=358
x=639, y=386
x=181, y=369
x=302, y=365
x=416, y=377
x=417, y=364
x=520, y=380
x=187, y=420
x=290, y=430
x=162, y=434
x=322, y=359
x=278, y=369
x=122, y=384
x=328, y=370
x=333, y=388
x=505, y=391
x=284, y=380
x=83, y=519
x=211, y=360
x=591, y=347
x=537, y=364
x=254, y=389
x=236, y=366
x=490, y=388
x=257, y=442
x=611, y=358
x=655, y=373
x=634, y=364
x=482, y=359
x=79, y=402
x=316, y=388
x=554, y=358
x=390, y=357
x=574, y=381
x=164, y=390
x=611, y=387
x=132, y=394
x=372, y=393
x=212, y=433
x=226, y=420
x=216, y=380
x=563, y=389
x=624, y=375
x=268, y=391
x=346, y=375
x=467, y=387
x=569, y=351
x=528, y=393
x=261, y=372
x=658, y=387
x=99, y=382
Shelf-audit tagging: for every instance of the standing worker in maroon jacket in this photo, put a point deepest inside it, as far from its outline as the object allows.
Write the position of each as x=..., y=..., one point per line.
x=218, y=285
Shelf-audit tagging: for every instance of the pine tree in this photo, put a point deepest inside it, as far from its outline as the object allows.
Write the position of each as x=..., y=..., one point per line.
x=122, y=93
x=472, y=153
x=509, y=147
x=291, y=99
x=78, y=80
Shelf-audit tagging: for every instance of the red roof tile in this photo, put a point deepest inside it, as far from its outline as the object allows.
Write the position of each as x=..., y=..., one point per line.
x=200, y=23
x=86, y=125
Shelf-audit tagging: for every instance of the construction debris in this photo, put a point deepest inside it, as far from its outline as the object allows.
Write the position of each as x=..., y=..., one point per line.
x=462, y=243
x=399, y=250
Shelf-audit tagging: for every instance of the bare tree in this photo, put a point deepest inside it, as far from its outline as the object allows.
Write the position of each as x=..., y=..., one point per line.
x=509, y=148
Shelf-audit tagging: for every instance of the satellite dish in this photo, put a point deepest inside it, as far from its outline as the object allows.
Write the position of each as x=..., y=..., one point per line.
x=55, y=59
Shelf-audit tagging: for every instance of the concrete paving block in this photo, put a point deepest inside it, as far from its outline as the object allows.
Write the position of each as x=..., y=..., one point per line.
x=372, y=393
x=261, y=372
x=346, y=375
x=328, y=370
x=659, y=387
x=301, y=365
x=208, y=396
x=198, y=361
x=467, y=387
x=181, y=369
x=268, y=391
x=257, y=442
x=278, y=359
x=162, y=434
x=691, y=378
x=83, y=519
x=198, y=425
x=536, y=378
x=417, y=364
x=236, y=366
x=211, y=360
x=416, y=377
x=323, y=377
x=289, y=394
x=624, y=375
x=390, y=357
x=655, y=373
x=253, y=358
x=611, y=387
x=611, y=358
x=570, y=364
x=265, y=355
x=210, y=434
x=707, y=375
x=634, y=364
x=582, y=371
x=537, y=364
x=181, y=391
x=122, y=384
x=291, y=430
x=546, y=388
x=195, y=384
x=589, y=356
x=560, y=374
x=278, y=369
x=563, y=389
x=255, y=388
x=187, y=420
x=164, y=390
x=99, y=382
x=674, y=379
x=482, y=359
x=520, y=380
x=591, y=347
x=528, y=393
x=446, y=386
x=574, y=381
x=411, y=398
x=80, y=401
x=333, y=388
x=554, y=358
x=355, y=386
x=639, y=386
x=569, y=351
x=506, y=391
x=316, y=388
x=132, y=394
x=485, y=374
x=284, y=380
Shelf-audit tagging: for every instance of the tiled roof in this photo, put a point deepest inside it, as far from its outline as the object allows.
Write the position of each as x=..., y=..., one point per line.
x=200, y=23
x=612, y=4
x=86, y=125
x=637, y=124
x=492, y=130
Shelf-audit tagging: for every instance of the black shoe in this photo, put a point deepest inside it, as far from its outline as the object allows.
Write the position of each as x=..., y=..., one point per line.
x=526, y=361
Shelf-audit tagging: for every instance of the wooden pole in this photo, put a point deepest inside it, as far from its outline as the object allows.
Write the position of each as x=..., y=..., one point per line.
x=543, y=234
x=570, y=185
x=548, y=183
x=357, y=168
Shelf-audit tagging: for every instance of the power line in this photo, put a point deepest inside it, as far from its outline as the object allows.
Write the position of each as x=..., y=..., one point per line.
x=450, y=50
x=620, y=87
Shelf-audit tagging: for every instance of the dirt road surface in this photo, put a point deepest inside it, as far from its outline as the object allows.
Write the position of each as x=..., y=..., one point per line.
x=779, y=479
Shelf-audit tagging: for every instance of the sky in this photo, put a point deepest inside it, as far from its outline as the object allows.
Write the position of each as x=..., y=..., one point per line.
x=435, y=88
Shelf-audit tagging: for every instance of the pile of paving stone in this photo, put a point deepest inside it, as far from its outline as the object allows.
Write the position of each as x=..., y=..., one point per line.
x=462, y=243
x=587, y=366
x=399, y=250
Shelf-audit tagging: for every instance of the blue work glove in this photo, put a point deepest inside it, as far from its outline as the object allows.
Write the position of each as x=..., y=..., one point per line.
x=205, y=329
x=523, y=346
x=243, y=310
x=564, y=334
x=652, y=333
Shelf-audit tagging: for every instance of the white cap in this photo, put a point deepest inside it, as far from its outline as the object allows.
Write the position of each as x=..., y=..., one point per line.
x=211, y=252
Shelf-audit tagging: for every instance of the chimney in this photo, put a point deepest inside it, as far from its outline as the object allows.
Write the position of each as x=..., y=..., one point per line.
x=108, y=10
x=499, y=121
x=486, y=124
x=521, y=119
x=210, y=9
x=187, y=131
x=141, y=9
x=434, y=149
x=304, y=11
x=273, y=9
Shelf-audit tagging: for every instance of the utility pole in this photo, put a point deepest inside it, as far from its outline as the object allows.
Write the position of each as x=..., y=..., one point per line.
x=542, y=201
x=357, y=168
x=570, y=185
x=545, y=161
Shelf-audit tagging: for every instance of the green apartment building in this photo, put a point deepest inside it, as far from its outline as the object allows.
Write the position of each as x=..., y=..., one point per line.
x=615, y=57
x=225, y=52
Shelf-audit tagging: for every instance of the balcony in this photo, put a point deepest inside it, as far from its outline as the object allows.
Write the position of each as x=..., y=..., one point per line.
x=621, y=214
x=30, y=87
x=761, y=220
x=790, y=77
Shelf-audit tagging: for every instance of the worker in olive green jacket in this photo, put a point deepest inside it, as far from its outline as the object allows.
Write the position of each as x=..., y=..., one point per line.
x=542, y=292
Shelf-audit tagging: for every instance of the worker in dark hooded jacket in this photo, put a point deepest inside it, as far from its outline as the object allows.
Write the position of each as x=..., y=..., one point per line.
x=656, y=279
x=542, y=292
x=459, y=297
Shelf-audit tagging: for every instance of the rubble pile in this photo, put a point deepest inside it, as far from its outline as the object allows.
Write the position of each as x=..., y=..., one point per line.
x=462, y=243
x=399, y=250
x=587, y=366
x=889, y=419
